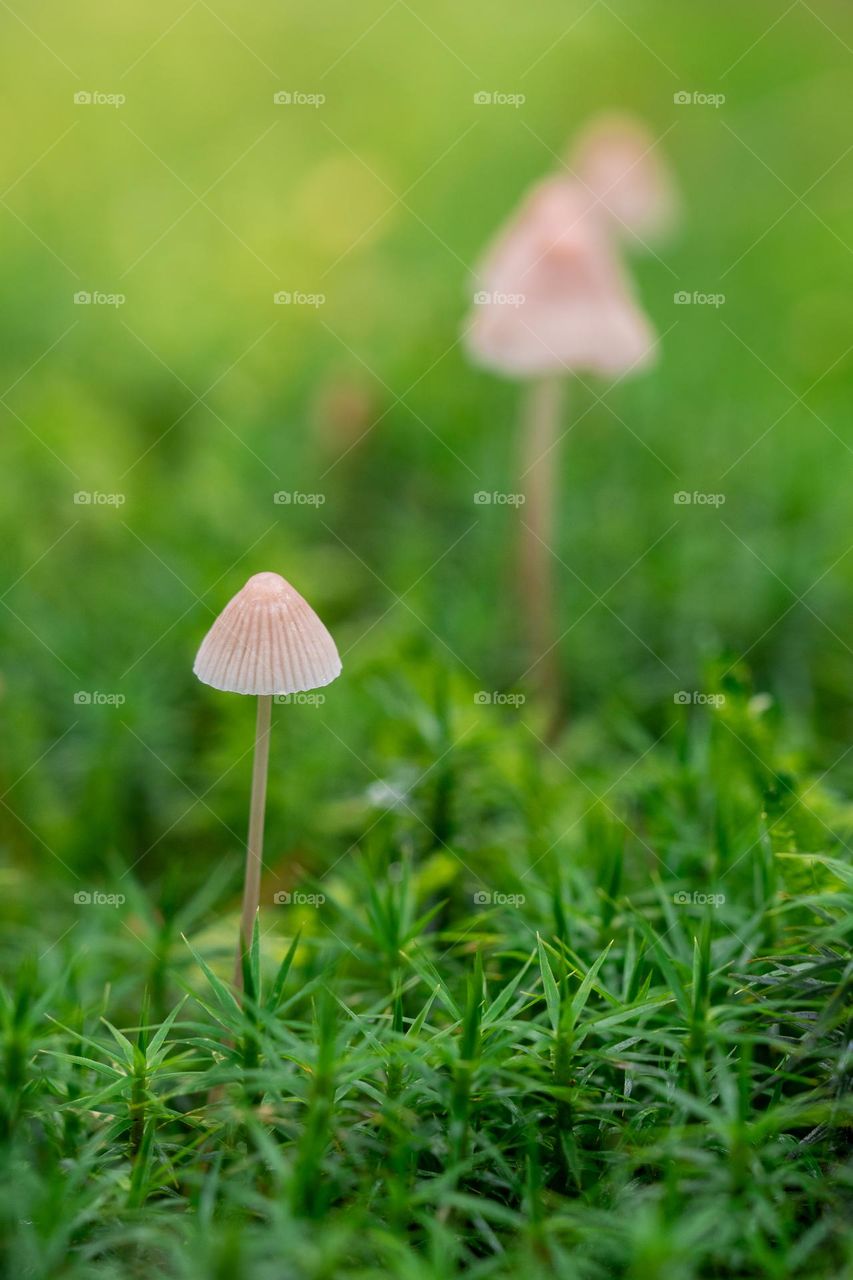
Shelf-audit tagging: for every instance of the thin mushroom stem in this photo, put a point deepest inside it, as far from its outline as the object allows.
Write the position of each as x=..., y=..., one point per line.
x=255, y=845
x=540, y=429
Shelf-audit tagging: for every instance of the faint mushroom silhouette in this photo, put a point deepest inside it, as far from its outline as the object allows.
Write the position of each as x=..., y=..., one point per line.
x=617, y=161
x=553, y=300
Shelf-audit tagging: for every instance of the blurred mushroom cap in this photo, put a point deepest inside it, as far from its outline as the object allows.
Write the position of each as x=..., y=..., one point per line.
x=267, y=640
x=554, y=297
x=617, y=160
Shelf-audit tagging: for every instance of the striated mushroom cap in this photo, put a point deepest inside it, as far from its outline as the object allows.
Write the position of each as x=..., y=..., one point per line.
x=554, y=296
x=617, y=160
x=267, y=640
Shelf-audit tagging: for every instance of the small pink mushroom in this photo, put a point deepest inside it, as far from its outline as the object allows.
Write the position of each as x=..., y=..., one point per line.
x=266, y=641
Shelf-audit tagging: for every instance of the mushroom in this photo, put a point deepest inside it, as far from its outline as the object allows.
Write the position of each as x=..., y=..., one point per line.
x=617, y=161
x=554, y=300
x=266, y=641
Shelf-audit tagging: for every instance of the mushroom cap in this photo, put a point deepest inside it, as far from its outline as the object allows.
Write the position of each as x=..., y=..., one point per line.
x=555, y=298
x=617, y=160
x=267, y=640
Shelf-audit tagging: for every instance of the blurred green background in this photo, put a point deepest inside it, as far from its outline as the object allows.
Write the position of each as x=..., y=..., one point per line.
x=198, y=399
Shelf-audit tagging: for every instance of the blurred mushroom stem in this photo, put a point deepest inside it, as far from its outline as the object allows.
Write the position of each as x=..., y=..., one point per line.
x=542, y=409
x=255, y=845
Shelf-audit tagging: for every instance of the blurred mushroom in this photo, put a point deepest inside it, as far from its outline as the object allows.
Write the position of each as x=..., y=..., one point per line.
x=554, y=300
x=266, y=641
x=617, y=161
x=343, y=413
